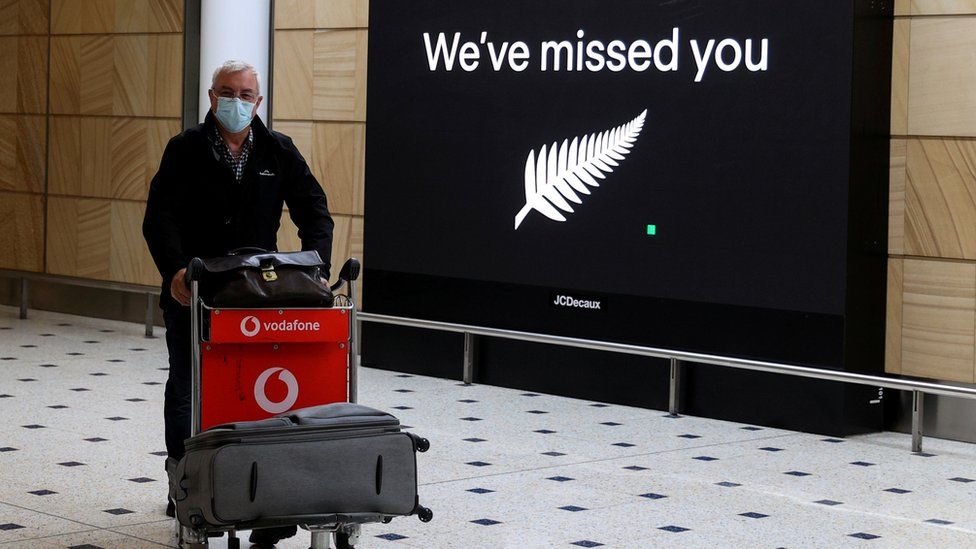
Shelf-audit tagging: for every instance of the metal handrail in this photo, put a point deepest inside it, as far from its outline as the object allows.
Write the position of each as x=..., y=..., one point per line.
x=918, y=388
x=151, y=292
x=85, y=282
x=684, y=356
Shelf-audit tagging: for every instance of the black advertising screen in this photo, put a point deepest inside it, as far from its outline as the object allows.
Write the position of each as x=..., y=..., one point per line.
x=595, y=168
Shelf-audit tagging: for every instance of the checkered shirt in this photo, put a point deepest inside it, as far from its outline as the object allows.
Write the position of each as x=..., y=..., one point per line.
x=236, y=165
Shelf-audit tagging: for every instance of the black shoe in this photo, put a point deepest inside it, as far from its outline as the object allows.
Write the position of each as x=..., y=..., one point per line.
x=270, y=536
x=170, y=508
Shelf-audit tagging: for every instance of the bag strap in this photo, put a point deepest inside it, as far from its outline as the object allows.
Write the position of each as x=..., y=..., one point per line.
x=248, y=250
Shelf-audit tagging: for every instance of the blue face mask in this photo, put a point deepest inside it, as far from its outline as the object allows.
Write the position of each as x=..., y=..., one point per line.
x=233, y=113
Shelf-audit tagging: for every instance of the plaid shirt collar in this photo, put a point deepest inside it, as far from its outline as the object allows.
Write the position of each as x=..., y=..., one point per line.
x=237, y=164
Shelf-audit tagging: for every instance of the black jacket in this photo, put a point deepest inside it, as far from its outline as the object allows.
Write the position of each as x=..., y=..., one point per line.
x=197, y=209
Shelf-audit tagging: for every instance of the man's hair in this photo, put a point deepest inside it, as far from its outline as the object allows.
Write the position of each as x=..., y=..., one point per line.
x=232, y=66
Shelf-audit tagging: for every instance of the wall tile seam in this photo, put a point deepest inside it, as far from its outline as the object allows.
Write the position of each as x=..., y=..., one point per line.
x=904, y=84
x=99, y=34
x=143, y=201
x=47, y=142
x=287, y=29
x=937, y=259
x=92, y=197
x=921, y=16
x=19, y=191
x=329, y=121
x=114, y=116
x=936, y=137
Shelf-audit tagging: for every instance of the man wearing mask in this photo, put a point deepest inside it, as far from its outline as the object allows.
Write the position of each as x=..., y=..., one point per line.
x=221, y=186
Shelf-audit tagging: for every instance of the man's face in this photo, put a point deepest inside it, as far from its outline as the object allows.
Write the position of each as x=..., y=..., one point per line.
x=242, y=84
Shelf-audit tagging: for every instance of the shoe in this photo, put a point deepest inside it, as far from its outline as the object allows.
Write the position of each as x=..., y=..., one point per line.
x=170, y=466
x=266, y=537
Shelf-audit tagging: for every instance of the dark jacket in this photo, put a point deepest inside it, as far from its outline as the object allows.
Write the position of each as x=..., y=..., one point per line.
x=197, y=209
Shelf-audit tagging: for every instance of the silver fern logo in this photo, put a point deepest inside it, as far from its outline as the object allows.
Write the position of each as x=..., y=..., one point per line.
x=560, y=175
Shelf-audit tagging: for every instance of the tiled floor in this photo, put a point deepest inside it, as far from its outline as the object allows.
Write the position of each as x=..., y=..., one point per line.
x=81, y=437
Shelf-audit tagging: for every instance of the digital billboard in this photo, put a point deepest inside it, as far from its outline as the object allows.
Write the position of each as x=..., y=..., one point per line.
x=694, y=174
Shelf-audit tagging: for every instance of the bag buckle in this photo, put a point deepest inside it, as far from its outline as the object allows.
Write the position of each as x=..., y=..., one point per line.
x=269, y=273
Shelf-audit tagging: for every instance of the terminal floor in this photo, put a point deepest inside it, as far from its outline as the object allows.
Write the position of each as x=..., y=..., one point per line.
x=81, y=463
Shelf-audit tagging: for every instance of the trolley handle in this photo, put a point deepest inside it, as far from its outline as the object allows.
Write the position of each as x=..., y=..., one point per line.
x=348, y=273
x=193, y=270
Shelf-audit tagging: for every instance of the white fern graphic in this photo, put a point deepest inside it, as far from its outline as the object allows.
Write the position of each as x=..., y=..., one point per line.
x=556, y=178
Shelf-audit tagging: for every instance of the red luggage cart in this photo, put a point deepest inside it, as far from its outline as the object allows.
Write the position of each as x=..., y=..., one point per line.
x=254, y=363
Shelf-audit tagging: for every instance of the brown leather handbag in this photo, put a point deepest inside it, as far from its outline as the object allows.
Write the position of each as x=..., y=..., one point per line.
x=252, y=277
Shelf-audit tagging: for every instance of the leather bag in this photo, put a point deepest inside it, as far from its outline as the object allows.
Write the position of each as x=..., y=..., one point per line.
x=253, y=277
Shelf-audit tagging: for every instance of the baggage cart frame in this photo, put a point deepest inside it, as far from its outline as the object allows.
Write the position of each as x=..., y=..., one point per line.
x=344, y=527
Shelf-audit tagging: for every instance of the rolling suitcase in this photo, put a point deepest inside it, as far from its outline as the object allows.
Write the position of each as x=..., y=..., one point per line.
x=326, y=466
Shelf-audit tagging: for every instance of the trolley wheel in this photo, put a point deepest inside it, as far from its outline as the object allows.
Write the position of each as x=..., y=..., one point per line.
x=342, y=541
x=234, y=543
x=425, y=514
x=423, y=445
x=387, y=519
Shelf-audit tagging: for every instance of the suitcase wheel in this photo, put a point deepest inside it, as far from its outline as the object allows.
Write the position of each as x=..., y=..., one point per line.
x=425, y=514
x=420, y=444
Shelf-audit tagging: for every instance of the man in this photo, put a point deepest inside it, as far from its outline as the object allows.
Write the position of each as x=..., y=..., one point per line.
x=221, y=186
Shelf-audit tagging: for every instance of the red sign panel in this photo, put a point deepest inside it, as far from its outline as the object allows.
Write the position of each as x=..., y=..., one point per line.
x=278, y=325
x=244, y=382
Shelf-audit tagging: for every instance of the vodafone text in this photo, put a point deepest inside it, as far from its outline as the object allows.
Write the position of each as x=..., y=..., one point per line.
x=250, y=326
x=291, y=326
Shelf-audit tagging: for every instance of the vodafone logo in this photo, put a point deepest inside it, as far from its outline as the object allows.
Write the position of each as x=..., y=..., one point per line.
x=250, y=326
x=283, y=375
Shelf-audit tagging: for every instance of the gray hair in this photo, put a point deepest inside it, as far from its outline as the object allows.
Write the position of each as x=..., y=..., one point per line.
x=232, y=66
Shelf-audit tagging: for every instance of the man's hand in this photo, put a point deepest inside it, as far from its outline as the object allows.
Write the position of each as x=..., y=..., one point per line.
x=178, y=288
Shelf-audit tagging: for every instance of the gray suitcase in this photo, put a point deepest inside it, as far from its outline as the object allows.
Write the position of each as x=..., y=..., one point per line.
x=336, y=464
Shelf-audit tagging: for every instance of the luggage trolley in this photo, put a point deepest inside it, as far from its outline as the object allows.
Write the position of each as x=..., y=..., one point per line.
x=251, y=364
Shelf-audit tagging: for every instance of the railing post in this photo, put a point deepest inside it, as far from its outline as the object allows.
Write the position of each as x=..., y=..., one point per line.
x=674, y=387
x=23, y=298
x=918, y=403
x=150, y=314
x=467, y=375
